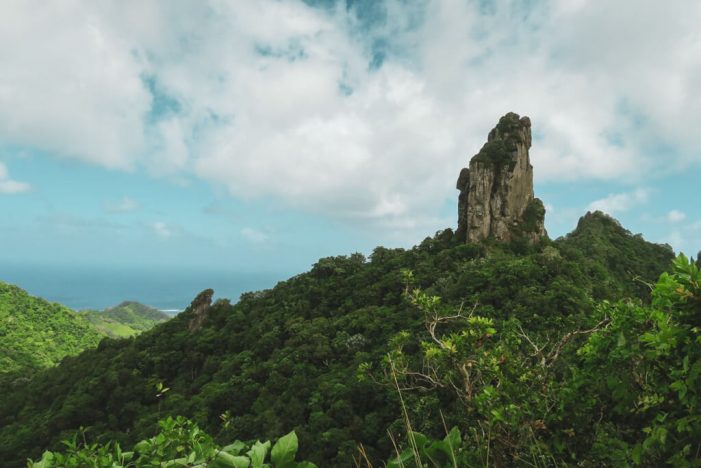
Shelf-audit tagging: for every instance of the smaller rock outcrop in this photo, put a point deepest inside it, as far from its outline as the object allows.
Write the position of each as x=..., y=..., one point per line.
x=496, y=192
x=199, y=308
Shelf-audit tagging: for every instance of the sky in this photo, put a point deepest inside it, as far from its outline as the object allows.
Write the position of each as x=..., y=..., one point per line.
x=260, y=136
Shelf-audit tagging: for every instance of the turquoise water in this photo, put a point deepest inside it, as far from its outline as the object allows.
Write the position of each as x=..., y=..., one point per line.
x=165, y=289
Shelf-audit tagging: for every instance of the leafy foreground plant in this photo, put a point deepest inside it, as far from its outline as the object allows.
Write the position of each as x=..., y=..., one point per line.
x=623, y=391
x=652, y=359
x=437, y=453
x=180, y=443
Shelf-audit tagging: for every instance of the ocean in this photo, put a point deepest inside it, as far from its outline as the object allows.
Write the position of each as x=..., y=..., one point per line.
x=170, y=290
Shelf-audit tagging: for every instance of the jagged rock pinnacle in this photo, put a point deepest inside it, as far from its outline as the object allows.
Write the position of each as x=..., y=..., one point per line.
x=199, y=308
x=496, y=192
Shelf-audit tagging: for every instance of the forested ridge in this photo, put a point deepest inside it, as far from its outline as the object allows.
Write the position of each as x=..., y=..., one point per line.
x=548, y=354
x=35, y=333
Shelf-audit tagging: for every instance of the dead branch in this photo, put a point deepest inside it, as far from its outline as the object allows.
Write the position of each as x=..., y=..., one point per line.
x=555, y=353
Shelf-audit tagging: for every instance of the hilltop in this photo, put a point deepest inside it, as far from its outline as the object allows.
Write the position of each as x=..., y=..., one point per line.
x=126, y=319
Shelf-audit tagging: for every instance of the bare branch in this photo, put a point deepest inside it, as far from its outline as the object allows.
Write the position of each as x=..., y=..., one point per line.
x=435, y=320
x=538, y=350
x=555, y=353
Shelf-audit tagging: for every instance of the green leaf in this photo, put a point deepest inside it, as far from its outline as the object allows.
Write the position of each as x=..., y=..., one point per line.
x=142, y=446
x=636, y=454
x=694, y=372
x=662, y=435
x=401, y=460
x=258, y=452
x=227, y=460
x=46, y=461
x=176, y=462
x=234, y=448
x=497, y=415
x=453, y=438
x=420, y=439
x=680, y=387
x=438, y=452
x=621, y=340
x=285, y=449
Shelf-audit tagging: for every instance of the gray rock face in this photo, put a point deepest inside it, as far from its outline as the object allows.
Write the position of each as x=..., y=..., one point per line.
x=199, y=308
x=496, y=192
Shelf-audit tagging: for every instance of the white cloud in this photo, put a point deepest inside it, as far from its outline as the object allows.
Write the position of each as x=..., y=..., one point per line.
x=71, y=82
x=309, y=124
x=620, y=202
x=9, y=186
x=123, y=205
x=684, y=237
x=12, y=186
x=162, y=230
x=675, y=216
x=253, y=236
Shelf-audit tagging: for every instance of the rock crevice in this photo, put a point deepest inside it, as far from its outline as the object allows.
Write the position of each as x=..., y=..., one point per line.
x=496, y=191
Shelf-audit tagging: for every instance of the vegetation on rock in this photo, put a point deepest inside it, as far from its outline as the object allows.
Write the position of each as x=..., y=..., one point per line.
x=533, y=215
x=498, y=153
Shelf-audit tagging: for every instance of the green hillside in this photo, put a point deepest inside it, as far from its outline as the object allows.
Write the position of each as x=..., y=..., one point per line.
x=126, y=319
x=336, y=353
x=36, y=334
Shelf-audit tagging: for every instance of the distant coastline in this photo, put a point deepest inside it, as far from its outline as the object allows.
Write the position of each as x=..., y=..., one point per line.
x=167, y=290
x=171, y=312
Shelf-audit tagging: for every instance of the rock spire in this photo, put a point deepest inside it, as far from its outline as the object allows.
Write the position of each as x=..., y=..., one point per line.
x=496, y=192
x=199, y=308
